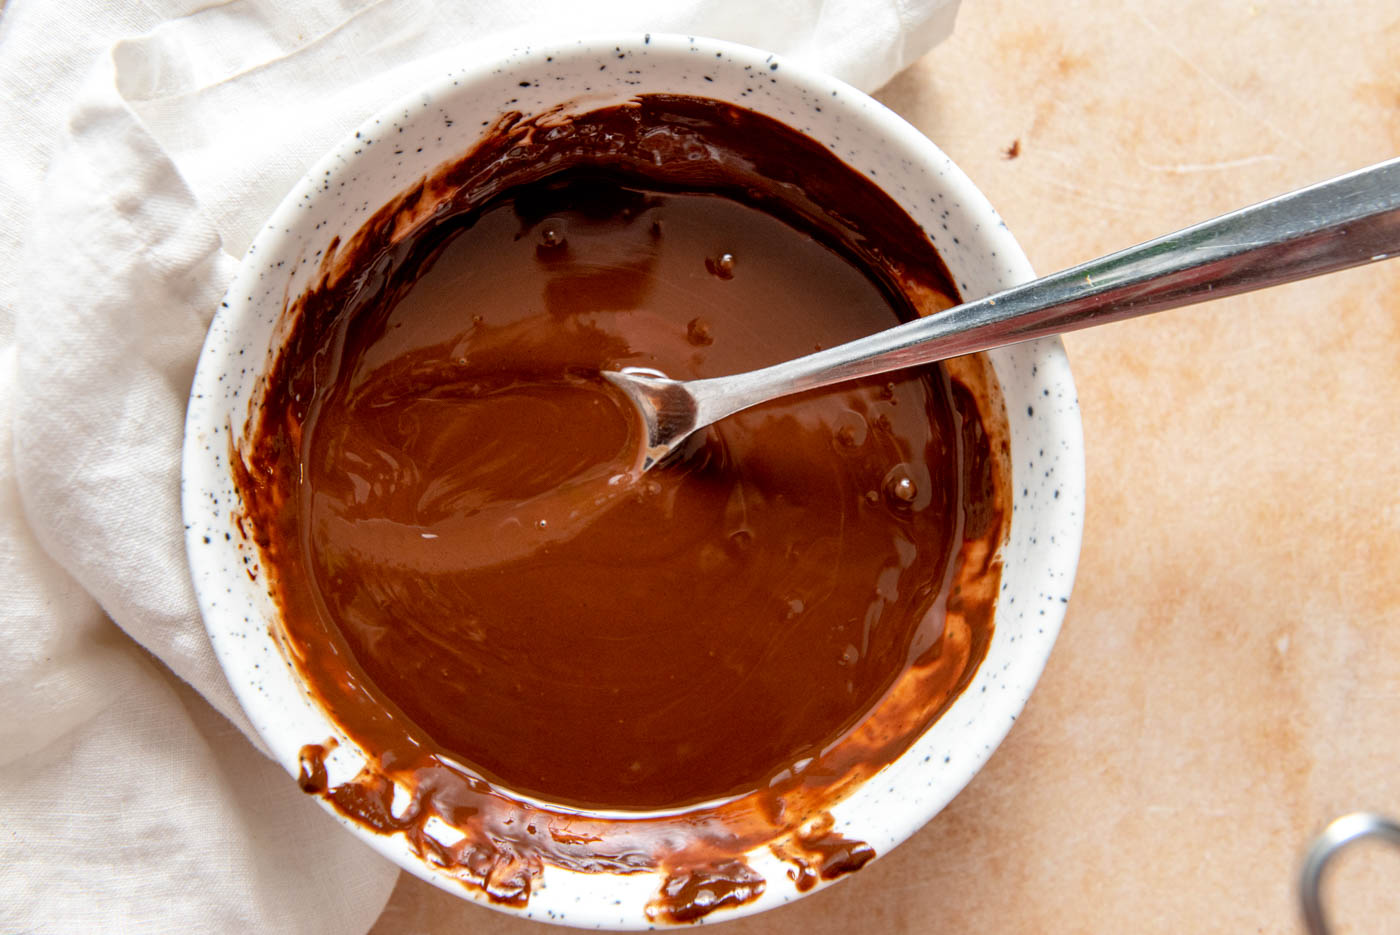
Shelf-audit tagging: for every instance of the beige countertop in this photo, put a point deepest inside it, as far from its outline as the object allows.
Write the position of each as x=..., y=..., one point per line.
x=1228, y=677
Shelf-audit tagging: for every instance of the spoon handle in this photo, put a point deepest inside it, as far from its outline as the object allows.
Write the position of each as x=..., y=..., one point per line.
x=1343, y=222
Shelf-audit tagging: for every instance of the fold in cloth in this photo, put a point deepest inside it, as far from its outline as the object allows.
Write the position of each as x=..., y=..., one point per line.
x=136, y=171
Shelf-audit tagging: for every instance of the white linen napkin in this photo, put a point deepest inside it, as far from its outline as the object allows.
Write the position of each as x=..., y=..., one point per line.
x=133, y=174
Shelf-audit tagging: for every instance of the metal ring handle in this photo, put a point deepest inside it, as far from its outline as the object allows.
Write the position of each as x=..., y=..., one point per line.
x=1336, y=836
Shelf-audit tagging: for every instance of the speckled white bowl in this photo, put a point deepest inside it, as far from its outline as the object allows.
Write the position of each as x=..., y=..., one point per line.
x=394, y=149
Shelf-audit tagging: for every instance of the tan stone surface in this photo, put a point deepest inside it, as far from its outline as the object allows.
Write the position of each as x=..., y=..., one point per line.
x=1228, y=679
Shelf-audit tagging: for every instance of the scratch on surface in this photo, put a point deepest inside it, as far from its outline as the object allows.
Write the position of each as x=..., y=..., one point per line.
x=1127, y=202
x=1122, y=197
x=1185, y=168
x=1215, y=83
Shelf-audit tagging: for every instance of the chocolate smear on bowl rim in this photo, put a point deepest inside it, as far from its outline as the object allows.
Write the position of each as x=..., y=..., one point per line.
x=856, y=528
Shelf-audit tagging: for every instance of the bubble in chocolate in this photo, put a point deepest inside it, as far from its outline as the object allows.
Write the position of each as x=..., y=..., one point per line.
x=900, y=487
x=552, y=237
x=850, y=655
x=851, y=430
x=721, y=266
x=697, y=332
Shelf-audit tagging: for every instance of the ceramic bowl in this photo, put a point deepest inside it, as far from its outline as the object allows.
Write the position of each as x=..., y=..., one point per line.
x=398, y=146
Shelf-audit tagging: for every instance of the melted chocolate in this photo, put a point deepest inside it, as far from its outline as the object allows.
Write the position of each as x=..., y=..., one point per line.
x=689, y=894
x=818, y=853
x=493, y=606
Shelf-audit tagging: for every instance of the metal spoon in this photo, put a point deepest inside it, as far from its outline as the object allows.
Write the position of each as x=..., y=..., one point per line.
x=1337, y=836
x=1343, y=222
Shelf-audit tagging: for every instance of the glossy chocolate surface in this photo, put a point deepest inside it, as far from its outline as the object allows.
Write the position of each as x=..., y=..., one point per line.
x=494, y=606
